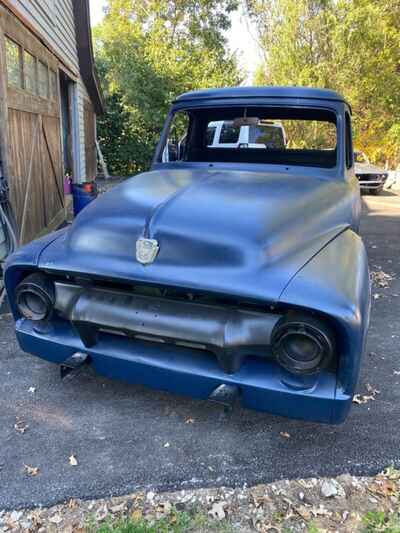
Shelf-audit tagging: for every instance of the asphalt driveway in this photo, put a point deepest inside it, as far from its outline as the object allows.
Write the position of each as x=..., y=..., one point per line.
x=127, y=437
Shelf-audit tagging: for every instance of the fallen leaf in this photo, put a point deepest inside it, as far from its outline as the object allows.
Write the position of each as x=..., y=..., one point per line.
x=15, y=516
x=284, y=434
x=101, y=513
x=361, y=399
x=320, y=511
x=365, y=398
x=303, y=512
x=72, y=460
x=372, y=390
x=118, y=508
x=390, y=472
x=136, y=515
x=164, y=507
x=380, y=279
x=217, y=511
x=20, y=426
x=56, y=519
x=31, y=470
x=385, y=487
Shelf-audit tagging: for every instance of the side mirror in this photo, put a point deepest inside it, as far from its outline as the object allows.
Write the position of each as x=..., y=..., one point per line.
x=170, y=152
x=173, y=151
x=182, y=148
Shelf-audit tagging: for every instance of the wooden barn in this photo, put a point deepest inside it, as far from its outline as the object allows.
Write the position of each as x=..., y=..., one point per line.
x=49, y=99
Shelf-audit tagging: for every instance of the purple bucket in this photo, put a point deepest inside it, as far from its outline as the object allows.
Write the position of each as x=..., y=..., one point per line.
x=67, y=185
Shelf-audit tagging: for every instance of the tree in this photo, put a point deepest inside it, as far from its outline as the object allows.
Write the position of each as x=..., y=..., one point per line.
x=352, y=46
x=149, y=52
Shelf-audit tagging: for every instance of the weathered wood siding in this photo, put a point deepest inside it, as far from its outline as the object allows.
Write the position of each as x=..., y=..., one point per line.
x=54, y=20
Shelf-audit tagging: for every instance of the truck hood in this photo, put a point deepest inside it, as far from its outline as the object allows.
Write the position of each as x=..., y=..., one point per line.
x=236, y=232
x=367, y=168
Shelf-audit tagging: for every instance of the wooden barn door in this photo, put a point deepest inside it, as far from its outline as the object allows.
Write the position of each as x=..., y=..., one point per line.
x=34, y=139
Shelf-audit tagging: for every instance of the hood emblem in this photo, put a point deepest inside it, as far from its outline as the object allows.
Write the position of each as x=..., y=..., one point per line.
x=146, y=250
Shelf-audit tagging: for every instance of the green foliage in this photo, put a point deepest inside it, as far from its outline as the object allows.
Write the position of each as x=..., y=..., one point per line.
x=313, y=529
x=380, y=522
x=175, y=522
x=352, y=46
x=148, y=52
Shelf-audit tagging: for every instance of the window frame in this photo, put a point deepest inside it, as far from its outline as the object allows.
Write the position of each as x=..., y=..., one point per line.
x=165, y=153
x=10, y=40
x=52, y=68
x=39, y=63
x=53, y=96
x=194, y=107
x=25, y=51
x=349, y=150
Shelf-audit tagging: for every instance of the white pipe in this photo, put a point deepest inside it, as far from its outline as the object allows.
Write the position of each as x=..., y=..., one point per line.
x=2, y=297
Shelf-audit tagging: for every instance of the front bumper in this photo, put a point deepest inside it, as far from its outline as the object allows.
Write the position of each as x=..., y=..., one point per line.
x=229, y=332
x=263, y=385
x=371, y=183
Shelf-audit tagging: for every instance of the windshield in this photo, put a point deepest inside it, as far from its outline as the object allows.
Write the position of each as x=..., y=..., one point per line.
x=260, y=135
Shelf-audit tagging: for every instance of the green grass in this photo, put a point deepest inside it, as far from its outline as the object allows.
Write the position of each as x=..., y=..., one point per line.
x=312, y=529
x=175, y=522
x=380, y=522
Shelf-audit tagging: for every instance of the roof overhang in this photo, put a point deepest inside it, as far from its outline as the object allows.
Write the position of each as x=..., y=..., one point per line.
x=85, y=53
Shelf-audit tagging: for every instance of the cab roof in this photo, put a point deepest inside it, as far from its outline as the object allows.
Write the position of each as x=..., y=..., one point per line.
x=308, y=93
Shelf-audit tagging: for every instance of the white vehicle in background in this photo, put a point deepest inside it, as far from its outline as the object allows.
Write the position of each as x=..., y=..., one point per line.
x=242, y=133
x=264, y=134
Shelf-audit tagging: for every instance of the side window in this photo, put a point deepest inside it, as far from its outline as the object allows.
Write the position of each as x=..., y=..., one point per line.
x=43, y=76
x=53, y=85
x=229, y=134
x=349, y=142
x=26, y=71
x=30, y=73
x=175, y=147
x=14, y=63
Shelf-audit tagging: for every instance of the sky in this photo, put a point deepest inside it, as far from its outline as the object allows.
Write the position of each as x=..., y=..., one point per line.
x=240, y=38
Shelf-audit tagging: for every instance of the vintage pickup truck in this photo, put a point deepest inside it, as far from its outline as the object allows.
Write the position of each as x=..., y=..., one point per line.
x=223, y=273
